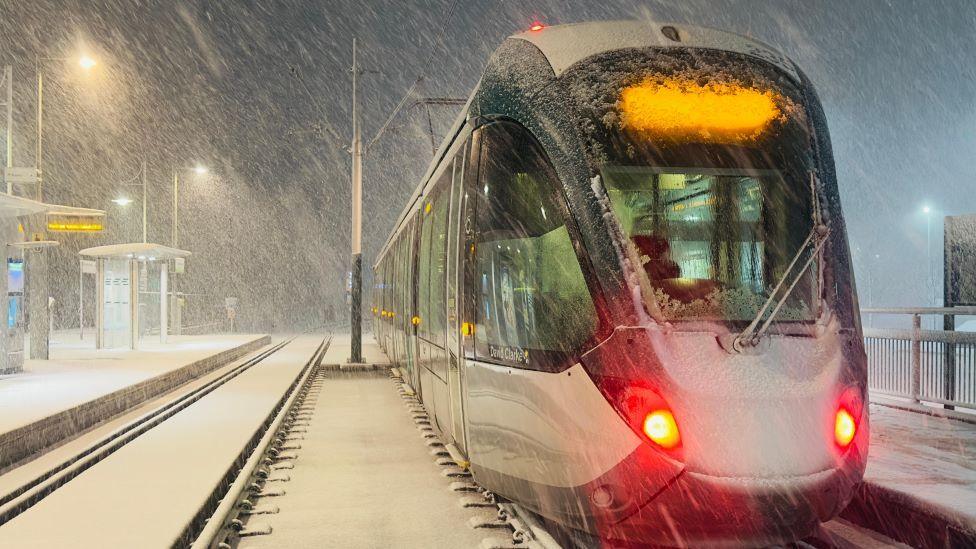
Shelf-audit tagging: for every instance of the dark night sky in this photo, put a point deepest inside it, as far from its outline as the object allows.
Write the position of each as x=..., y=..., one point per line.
x=259, y=91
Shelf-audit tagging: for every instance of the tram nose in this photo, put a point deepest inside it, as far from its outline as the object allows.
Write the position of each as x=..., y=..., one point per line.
x=765, y=438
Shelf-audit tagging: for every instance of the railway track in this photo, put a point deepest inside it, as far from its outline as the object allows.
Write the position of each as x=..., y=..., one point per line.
x=28, y=494
x=103, y=494
x=224, y=525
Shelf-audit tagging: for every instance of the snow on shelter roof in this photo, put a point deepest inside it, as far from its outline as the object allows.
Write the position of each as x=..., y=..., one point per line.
x=134, y=250
x=15, y=206
x=564, y=45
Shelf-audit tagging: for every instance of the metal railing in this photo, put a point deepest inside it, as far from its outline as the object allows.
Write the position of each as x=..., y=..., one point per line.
x=924, y=365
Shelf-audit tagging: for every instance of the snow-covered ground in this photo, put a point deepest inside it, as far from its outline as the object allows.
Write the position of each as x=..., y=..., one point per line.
x=927, y=458
x=144, y=494
x=77, y=373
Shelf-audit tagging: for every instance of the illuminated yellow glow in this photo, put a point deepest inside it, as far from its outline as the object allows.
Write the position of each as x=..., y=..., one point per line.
x=74, y=227
x=684, y=110
x=660, y=427
x=844, y=428
x=427, y=208
x=467, y=328
x=415, y=320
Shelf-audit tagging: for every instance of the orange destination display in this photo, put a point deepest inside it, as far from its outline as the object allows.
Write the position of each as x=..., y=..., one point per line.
x=684, y=110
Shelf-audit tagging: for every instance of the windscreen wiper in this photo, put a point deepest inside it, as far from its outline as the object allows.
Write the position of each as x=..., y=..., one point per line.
x=751, y=335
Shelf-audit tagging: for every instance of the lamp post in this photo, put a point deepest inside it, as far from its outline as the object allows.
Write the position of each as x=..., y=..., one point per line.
x=123, y=201
x=929, y=283
x=86, y=63
x=199, y=170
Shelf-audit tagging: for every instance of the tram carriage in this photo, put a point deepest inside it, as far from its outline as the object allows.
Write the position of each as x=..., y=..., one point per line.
x=623, y=289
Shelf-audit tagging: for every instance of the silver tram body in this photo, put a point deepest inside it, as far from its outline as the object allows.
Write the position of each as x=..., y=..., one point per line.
x=565, y=269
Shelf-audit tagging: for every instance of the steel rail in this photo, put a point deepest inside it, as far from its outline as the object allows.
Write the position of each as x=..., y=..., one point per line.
x=218, y=524
x=29, y=494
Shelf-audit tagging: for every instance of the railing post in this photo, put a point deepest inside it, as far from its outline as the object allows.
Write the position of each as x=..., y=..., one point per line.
x=916, y=356
x=949, y=383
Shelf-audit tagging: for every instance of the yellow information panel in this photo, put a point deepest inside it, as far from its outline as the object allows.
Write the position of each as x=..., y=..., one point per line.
x=74, y=223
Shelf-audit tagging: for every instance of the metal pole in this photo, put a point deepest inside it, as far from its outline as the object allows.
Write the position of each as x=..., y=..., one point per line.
x=176, y=208
x=8, y=75
x=356, y=354
x=163, y=305
x=145, y=224
x=81, y=300
x=39, y=157
x=928, y=258
x=916, y=356
x=176, y=307
x=949, y=383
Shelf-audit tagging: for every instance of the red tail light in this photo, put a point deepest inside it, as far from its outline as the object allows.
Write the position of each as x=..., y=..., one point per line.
x=644, y=410
x=537, y=26
x=660, y=427
x=845, y=427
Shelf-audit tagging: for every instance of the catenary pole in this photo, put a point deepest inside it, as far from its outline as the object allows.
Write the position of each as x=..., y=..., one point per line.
x=39, y=157
x=176, y=208
x=8, y=76
x=355, y=317
x=145, y=224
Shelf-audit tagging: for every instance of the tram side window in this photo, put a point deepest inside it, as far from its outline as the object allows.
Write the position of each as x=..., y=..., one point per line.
x=438, y=259
x=423, y=270
x=534, y=308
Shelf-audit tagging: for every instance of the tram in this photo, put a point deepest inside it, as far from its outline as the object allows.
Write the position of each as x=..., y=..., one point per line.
x=623, y=289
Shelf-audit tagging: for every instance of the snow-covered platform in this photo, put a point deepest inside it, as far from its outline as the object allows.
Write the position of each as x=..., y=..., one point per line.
x=149, y=492
x=364, y=476
x=53, y=400
x=920, y=483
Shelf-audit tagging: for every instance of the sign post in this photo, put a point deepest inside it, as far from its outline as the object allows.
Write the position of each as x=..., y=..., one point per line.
x=19, y=176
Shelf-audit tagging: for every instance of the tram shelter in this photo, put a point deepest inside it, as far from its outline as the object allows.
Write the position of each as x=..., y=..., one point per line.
x=124, y=277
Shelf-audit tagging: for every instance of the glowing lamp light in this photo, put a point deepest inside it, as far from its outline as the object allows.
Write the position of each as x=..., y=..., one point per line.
x=415, y=321
x=536, y=26
x=684, y=110
x=86, y=62
x=200, y=170
x=844, y=428
x=122, y=201
x=467, y=329
x=660, y=427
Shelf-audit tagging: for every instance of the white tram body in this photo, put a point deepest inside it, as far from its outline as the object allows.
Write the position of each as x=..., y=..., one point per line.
x=623, y=289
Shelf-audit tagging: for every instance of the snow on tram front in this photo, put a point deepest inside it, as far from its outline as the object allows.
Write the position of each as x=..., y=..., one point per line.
x=648, y=329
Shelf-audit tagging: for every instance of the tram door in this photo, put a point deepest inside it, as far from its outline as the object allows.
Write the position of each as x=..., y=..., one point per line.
x=459, y=233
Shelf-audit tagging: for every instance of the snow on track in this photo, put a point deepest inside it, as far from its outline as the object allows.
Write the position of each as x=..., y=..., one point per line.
x=144, y=494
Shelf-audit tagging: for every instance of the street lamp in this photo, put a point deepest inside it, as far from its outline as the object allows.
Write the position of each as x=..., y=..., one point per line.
x=122, y=201
x=85, y=62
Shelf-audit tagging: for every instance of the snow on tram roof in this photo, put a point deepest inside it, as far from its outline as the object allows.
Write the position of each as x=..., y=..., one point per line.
x=564, y=45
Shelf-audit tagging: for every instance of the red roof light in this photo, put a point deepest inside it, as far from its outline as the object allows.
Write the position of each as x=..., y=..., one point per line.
x=537, y=26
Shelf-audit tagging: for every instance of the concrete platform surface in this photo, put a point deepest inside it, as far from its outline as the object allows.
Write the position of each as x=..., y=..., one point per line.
x=920, y=482
x=77, y=375
x=364, y=477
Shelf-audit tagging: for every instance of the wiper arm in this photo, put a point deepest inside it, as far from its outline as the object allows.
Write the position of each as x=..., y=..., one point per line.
x=750, y=336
